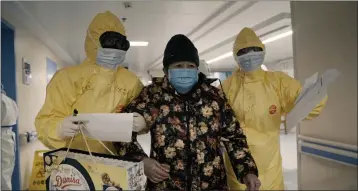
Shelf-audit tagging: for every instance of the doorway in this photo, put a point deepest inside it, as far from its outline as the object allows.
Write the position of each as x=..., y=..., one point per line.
x=8, y=80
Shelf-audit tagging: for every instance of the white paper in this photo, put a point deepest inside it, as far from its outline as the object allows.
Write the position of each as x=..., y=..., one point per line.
x=312, y=93
x=145, y=141
x=309, y=84
x=112, y=127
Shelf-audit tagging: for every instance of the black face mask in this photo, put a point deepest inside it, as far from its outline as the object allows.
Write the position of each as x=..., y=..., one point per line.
x=114, y=40
x=249, y=49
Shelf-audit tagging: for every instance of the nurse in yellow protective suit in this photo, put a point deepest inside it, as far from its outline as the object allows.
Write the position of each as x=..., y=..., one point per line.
x=99, y=85
x=259, y=99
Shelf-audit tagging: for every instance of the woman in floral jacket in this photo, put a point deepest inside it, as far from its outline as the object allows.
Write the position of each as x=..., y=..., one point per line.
x=187, y=119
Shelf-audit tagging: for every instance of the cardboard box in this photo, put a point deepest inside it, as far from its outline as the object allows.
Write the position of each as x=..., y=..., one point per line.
x=37, y=179
x=81, y=171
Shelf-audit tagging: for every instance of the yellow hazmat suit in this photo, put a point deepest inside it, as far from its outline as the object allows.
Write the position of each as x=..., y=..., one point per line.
x=87, y=87
x=259, y=99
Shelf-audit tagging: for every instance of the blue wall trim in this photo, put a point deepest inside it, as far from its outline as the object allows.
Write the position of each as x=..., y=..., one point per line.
x=329, y=155
x=331, y=146
x=8, y=79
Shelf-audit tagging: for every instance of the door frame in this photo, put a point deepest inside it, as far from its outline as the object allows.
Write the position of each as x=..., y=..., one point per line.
x=10, y=89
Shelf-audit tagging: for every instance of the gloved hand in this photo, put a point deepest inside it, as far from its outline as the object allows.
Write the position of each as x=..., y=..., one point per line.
x=67, y=129
x=139, y=123
x=252, y=182
x=155, y=171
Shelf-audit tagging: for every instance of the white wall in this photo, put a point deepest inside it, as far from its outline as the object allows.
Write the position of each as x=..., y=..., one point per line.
x=325, y=36
x=283, y=66
x=30, y=97
x=156, y=73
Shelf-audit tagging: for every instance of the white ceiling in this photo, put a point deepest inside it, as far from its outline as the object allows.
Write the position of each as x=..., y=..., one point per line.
x=212, y=25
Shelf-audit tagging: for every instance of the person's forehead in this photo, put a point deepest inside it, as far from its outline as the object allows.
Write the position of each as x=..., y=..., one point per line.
x=185, y=63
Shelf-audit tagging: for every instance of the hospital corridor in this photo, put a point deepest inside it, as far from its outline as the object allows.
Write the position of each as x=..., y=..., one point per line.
x=179, y=95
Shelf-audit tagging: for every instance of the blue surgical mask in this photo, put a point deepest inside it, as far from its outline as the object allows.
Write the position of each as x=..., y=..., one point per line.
x=110, y=58
x=251, y=61
x=183, y=79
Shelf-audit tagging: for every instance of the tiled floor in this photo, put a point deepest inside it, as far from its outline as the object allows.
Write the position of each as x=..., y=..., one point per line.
x=289, y=160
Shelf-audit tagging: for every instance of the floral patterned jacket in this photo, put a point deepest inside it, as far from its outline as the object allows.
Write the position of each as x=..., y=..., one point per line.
x=186, y=132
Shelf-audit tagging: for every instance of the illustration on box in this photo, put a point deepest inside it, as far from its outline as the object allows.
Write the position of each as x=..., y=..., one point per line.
x=83, y=172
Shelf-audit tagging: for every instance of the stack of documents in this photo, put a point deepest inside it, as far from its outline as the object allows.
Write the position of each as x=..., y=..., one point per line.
x=312, y=93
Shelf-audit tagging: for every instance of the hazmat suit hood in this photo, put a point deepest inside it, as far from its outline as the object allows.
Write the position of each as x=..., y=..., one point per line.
x=245, y=39
x=101, y=23
x=204, y=68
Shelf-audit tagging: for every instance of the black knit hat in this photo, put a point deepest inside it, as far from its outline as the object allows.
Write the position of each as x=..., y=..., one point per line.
x=180, y=48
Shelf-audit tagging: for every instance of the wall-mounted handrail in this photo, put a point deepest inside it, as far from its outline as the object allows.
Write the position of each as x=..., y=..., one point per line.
x=333, y=144
x=329, y=150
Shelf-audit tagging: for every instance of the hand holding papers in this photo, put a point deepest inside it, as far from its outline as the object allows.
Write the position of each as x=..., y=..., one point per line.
x=139, y=123
x=312, y=93
x=112, y=127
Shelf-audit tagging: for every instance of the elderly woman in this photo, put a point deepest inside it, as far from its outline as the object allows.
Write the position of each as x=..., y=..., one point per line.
x=187, y=118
